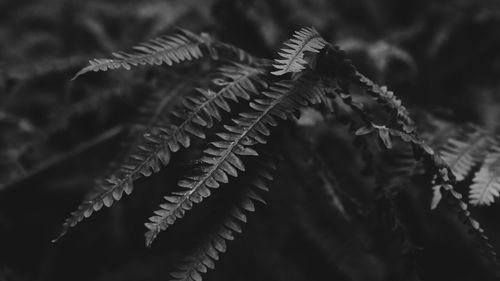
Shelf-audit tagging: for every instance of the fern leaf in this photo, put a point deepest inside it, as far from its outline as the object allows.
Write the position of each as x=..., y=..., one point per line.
x=305, y=40
x=170, y=50
x=222, y=159
x=463, y=152
x=486, y=182
x=433, y=163
x=157, y=144
x=208, y=254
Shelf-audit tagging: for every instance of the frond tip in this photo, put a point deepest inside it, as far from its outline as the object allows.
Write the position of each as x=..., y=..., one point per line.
x=170, y=50
x=305, y=40
x=486, y=184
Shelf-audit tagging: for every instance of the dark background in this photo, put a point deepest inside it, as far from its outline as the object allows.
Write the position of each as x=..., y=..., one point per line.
x=57, y=136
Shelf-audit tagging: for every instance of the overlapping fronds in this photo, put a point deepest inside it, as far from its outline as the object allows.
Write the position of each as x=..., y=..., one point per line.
x=305, y=40
x=486, y=182
x=208, y=253
x=157, y=144
x=433, y=164
x=170, y=50
x=466, y=150
x=145, y=158
x=223, y=158
x=246, y=78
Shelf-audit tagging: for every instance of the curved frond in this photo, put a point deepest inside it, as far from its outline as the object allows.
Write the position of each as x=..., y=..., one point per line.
x=208, y=253
x=222, y=159
x=305, y=40
x=170, y=50
x=155, y=147
x=432, y=162
x=463, y=152
x=486, y=182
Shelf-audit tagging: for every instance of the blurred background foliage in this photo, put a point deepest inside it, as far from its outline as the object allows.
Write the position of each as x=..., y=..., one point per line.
x=442, y=58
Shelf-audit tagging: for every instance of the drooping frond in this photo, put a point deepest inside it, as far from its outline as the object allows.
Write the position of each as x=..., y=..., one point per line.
x=157, y=144
x=432, y=162
x=463, y=152
x=170, y=50
x=222, y=159
x=208, y=253
x=486, y=182
x=152, y=114
x=305, y=40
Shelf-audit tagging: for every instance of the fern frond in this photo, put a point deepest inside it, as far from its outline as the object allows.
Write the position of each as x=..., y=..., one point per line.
x=486, y=182
x=170, y=50
x=463, y=152
x=222, y=159
x=208, y=254
x=144, y=160
x=157, y=144
x=305, y=40
x=432, y=162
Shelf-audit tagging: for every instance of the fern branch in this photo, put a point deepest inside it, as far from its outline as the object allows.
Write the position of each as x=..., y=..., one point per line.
x=223, y=158
x=153, y=114
x=170, y=50
x=158, y=143
x=434, y=165
x=305, y=40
